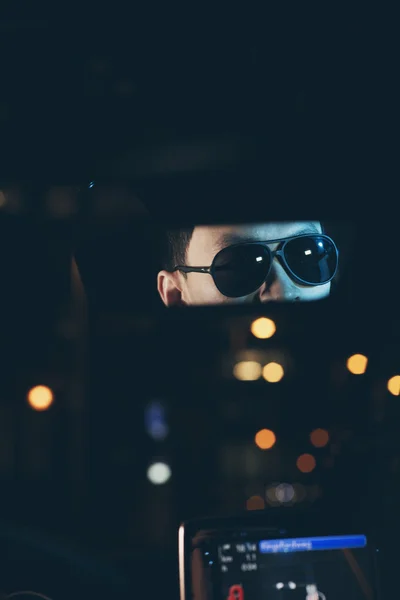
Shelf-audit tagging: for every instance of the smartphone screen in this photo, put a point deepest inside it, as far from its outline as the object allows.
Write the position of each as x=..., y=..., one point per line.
x=252, y=566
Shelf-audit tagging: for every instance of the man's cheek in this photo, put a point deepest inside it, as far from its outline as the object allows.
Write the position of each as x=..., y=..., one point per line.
x=321, y=291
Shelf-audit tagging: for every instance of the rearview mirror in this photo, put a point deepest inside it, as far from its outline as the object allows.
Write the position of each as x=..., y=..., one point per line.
x=133, y=263
x=286, y=261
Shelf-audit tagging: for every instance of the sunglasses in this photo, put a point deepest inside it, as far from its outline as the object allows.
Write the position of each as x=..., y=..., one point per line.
x=241, y=269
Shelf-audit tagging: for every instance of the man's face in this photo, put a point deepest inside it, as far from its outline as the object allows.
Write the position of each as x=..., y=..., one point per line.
x=207, y=241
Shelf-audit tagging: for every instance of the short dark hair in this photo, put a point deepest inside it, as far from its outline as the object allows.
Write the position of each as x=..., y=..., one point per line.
x=177, y=242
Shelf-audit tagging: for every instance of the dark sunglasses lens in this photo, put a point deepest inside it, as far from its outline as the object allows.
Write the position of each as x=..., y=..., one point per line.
x=241, y=270
x=312, y=259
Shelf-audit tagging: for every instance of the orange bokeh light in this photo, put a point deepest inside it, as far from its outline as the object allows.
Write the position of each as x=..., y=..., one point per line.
x=357, y=364
x=306, y=463
x=263, y=328
x=255, y=503
x=40, y=397
x=265, y=439
x=319, y=438
x=393, y=385
x=273, y=372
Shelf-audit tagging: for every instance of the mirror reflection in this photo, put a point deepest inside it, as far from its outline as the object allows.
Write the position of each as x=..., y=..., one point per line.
x=256, y=263
x=130, y=259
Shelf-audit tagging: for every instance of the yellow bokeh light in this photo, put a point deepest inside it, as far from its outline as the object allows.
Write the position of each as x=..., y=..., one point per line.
x=255, y=503
x=273, y=372
x=247, y=370
x=40, y=397
x=357, y=364
x=306, y=463
x=265, y=439
x=263, y=328
x=394, y=385
x=319, y=438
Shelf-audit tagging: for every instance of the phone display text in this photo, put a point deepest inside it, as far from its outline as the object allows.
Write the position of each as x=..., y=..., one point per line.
x=313, y=568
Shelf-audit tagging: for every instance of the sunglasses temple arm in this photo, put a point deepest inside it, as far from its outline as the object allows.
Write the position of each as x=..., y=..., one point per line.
x=193, y=269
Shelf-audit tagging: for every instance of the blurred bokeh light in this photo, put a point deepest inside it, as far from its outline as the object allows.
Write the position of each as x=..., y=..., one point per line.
x=255, y=503
x=158, y=473
x=306, y=463
x=284, y=493
x=247, y=370
x=357, y=364
x=62, y=202
x=270, y=495
x=265, y=439
x=300, y=492
x=273, y=372
x=155, y=421
x=319, y=438
x=40, y=397
x=394, y=385
x=263, y=328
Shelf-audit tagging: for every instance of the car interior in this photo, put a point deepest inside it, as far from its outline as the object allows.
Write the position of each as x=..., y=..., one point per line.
x=241, y=447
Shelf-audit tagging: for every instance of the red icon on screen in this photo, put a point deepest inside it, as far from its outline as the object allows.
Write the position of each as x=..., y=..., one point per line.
x=236, y=593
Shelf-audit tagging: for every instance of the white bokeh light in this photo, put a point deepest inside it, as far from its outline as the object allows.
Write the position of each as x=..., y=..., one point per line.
x=284, y=493
x=158, y=473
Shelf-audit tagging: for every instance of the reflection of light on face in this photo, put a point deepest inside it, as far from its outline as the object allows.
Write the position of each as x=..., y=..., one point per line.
x=259, y=258
x=307, y=252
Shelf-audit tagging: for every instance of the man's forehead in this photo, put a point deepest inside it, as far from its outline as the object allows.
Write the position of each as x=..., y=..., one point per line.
x=230, y=234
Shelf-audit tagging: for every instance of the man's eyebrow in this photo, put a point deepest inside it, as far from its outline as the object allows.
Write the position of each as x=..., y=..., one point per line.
x=228, y=239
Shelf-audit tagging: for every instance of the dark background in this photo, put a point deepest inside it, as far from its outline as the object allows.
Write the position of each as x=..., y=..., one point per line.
x=77, y=472
x=309, y=93
x=297, y=120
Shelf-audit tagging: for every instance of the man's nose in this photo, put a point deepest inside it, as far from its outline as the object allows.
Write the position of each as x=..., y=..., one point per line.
x=278, y=286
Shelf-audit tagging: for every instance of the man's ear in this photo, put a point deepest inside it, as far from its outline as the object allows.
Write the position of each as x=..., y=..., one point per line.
x=169, y=288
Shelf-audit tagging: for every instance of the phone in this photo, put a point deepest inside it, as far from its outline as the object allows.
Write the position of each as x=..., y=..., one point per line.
x=247, y=558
